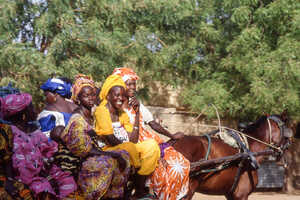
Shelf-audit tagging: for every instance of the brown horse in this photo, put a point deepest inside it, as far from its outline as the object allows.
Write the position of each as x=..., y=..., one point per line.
x=273, y=133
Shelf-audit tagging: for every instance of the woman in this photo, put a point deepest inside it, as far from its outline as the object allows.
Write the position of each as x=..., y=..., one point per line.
x=9, y=187
x=58, y=108
x=170, y=179
x=55, y=117
x=113, y=125
x=32, y=150
x=102, y=174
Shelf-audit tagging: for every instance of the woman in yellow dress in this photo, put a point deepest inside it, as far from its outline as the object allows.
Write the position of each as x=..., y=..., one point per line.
x=170, y=180
x=114, y=127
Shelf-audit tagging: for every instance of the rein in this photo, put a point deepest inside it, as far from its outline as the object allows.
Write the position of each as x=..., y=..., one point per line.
x=224, y=127
x=272, y=117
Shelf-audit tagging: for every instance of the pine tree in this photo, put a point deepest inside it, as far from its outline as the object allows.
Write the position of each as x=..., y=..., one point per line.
x=241, y=55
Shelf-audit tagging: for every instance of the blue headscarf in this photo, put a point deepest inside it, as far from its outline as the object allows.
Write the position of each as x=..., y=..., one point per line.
x=6, y=90
x=58, y=86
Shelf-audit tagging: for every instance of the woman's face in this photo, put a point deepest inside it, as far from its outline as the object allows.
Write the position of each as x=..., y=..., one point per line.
x=116, y=97
x=87, y=97
x=131, y=87
x=50, y=97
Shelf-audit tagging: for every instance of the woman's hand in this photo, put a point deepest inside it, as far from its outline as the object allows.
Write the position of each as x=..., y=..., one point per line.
x=134, y=103
x=177, y=135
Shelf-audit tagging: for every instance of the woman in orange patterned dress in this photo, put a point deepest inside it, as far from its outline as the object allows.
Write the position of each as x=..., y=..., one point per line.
x=170, y=180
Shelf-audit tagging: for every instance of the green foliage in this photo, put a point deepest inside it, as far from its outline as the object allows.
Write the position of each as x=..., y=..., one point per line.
x=240, y=55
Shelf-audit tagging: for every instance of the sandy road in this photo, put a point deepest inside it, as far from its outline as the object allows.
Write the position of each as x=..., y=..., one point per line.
x=254, y=196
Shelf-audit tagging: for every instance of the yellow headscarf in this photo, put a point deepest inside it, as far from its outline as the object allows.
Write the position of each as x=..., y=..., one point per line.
x=111, y=81
x=81, y=81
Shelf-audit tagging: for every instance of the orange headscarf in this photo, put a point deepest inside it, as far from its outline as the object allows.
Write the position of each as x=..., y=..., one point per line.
x=81, y=81
x=125, y=73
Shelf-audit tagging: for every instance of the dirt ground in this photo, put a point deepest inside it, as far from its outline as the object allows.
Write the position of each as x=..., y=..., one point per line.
x=253, y=196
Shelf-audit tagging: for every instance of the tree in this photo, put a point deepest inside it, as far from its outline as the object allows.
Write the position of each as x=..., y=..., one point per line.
x=240, y=55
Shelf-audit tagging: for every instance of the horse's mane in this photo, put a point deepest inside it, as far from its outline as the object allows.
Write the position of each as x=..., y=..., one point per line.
x=252, y=127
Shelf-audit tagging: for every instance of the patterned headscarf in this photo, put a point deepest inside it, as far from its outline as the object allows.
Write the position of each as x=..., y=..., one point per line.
x=14, y=103
x=125, y=73
x=58, y=86
x=81, y=81
x=111, y=81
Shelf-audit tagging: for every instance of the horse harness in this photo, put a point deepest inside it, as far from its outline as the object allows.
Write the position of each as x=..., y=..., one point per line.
x=284, y=133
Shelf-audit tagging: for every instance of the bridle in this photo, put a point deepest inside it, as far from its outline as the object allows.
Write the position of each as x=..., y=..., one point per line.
x=284, y=134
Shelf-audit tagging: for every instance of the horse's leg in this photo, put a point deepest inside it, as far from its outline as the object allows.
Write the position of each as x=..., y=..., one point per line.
x=245, y=187
x=230, y=197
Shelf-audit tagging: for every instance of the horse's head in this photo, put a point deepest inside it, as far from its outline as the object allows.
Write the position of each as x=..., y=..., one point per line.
x=279, y=134
x=272, y=131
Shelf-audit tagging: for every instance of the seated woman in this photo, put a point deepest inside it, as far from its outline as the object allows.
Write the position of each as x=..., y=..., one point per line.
x=170, y=180
x=32, y=150
x=102, y=174
x=58, y=109
x=55, y=117
x=113, y=125
x=10, y=188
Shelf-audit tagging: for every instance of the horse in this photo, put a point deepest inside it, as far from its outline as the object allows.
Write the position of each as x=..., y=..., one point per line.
x=239, y=179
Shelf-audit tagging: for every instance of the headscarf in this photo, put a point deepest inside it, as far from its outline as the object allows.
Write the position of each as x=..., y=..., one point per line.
x=111, y=81
x=125, y=73
x=81, y=81
x=6, y=90
x=14, y=103
x=58, y=86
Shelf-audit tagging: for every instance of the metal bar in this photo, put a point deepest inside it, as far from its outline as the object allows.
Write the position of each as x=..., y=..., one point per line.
x=206, y=163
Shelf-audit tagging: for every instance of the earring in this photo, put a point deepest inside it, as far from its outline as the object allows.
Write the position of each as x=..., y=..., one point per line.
x=23, y=117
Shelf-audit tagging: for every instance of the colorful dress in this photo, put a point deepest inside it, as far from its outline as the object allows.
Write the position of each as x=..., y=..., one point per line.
x=63, y=157
x=30, y=159
x=99, y=175
x=144, y=155
x=6, y=145
x=171, y=182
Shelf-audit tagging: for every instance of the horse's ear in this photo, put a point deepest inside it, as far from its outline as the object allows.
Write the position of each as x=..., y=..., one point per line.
x=284, y=115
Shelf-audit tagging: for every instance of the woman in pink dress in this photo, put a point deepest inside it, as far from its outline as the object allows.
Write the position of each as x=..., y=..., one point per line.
x=32, y=151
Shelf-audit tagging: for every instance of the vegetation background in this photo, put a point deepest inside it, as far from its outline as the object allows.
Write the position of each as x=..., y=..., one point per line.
x=241, y=55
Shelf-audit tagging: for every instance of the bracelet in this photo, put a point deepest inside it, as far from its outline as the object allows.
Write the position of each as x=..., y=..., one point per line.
x=136, y=128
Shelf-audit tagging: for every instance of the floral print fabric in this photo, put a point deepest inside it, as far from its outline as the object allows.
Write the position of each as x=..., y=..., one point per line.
x=171, y=181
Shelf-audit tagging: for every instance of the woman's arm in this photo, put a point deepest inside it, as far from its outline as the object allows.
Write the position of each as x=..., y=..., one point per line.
x=112, y=140
x=56, y=132
x=134, y=135
x=118, y=157
x=158, y=128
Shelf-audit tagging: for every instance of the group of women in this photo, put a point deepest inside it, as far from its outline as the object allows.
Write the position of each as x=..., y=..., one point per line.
x=85, y=145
